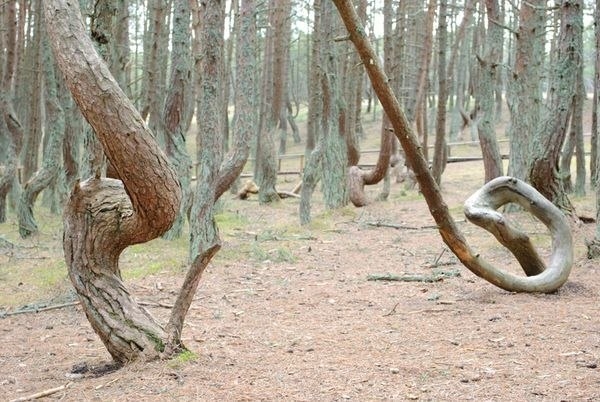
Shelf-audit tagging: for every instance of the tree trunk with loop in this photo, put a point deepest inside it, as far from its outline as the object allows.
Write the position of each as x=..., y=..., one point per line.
x=481, y=206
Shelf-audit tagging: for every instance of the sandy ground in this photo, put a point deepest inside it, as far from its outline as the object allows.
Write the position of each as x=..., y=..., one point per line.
x=288, y=313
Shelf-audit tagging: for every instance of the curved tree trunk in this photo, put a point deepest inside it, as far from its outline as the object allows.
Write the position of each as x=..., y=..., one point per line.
x=548, y=281
x=104, y=216
x=358, y=178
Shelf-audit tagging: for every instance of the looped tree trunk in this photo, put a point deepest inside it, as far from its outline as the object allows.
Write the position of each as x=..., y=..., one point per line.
x=559, y=268
x=481, y=209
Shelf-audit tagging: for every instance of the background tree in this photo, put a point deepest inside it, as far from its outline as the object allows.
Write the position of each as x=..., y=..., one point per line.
x=543, y=173
x=55, y=129
x=314, y=137
x=11, y=131
x=524, y=86
x=275, y=59
x=175, y=121
x=490, y=65
x=593, y=246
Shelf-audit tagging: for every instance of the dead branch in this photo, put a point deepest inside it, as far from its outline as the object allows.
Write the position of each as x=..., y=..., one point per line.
x=39, y=310
x=436, y=277
x=42, y=394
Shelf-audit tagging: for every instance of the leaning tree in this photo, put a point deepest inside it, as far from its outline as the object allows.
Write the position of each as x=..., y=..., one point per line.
x=481, y=207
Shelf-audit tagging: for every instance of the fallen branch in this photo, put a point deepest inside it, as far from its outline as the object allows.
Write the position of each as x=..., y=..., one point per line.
x=70, y=304
x=435, y=277
x=398, y=226
x=42, y=394
x=39, y=310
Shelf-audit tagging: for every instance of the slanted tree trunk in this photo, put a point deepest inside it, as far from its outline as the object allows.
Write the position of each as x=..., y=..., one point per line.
x=481, y=207
x=216, y=177
x=104, y=216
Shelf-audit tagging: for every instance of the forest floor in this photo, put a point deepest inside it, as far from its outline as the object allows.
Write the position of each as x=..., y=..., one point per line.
x=286, y=312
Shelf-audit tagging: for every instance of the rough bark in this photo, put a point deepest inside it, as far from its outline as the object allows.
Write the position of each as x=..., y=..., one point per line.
x=335, y=156
x=524, y=94
x=593, y=245
x=551, y=279
x=104, y=216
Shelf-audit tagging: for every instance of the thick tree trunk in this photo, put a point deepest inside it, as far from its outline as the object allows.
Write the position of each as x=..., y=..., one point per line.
x=335, y=154
x=104, y=216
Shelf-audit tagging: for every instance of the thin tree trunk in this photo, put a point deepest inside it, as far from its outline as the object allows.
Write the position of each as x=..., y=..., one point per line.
x=439, y=152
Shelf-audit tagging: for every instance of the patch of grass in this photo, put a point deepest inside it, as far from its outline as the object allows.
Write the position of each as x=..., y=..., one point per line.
x=279, y=254
x=228, y=220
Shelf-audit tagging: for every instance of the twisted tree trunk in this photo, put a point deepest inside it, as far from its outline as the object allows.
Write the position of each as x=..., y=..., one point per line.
x=104, y=216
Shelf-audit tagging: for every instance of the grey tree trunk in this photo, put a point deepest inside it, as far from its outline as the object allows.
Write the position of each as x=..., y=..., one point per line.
x=335, y=155
x=51, y=163
x=174, y=119
x=550, y=137
x=593, y=246
x=440, y=154
x=216, y=177
x=524, y=94
x=489, y=72
x=314, y=138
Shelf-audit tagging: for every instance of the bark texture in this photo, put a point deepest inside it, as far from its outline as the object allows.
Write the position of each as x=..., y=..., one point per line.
x=104, y=216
